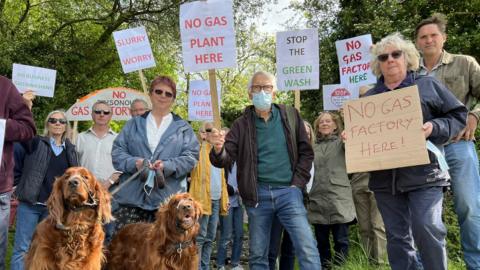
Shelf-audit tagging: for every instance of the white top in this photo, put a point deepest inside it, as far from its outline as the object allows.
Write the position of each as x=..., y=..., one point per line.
x=95, y=153
x=215, y=183
x=154, y=132
x=310, y=182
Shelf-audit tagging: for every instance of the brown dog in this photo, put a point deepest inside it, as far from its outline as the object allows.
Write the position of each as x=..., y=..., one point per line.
x=169, y=243
x=71, y=237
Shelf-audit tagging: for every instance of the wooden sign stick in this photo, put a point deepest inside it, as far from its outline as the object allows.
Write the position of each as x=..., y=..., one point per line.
x=214, y=95
x=142, y=79
x=297, y=100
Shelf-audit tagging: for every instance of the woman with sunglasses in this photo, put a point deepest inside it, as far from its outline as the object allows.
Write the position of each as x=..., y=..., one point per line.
x=410, y=198
x=160, y=145
x=44, y=158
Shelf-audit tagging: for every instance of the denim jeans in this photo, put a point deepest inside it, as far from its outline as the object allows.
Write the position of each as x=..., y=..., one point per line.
x=231, y=227
x=280, y=242
x=28, y=217
x=414, y=216
x=463, y=162
x=208, y=230
x=4, y=222
x=285, y=203
x=340, y=243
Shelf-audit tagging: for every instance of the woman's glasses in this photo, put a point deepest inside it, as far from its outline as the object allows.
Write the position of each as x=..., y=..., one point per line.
x=52, y=120
x=163, y=92
x=395, y=55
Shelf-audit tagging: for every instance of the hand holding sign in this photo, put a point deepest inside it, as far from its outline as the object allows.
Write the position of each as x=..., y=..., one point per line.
x=216, y=138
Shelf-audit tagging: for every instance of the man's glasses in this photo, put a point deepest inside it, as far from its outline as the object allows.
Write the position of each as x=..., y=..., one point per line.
x=101, y=111
x=266, y=88
x=52, y=120
x=395, y=55
x=163, y=92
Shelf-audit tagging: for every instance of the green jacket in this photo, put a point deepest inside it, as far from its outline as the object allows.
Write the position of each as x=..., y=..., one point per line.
x=461, y=74
x=330, y=199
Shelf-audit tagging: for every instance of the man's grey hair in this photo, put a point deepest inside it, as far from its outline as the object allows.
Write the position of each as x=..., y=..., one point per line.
x=412, y=57
x=139, y=100
x=101, y=102
x=267, y=74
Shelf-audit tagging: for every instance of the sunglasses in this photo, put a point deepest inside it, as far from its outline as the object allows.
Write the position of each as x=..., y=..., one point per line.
x=52, y=120
x=163, y=92
x=101, y=111
x=395, y=55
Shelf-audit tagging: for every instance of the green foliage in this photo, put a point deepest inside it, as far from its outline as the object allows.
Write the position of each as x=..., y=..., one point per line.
x=344, y=19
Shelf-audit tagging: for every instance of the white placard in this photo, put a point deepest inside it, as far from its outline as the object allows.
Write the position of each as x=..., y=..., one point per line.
x=297, y=60
x=119, y=98
x=40, y=80
x=354, y=61
x=208, y=35
x=200, y=101
x=335, y=95
x=134, y=49
x=3, y=123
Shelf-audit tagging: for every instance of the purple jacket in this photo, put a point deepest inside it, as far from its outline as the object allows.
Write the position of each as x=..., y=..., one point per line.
x=19, y=127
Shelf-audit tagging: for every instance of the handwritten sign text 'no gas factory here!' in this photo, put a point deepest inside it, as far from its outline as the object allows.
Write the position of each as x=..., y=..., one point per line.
x=297, y=60
x=385, y=131
x=354, y=61
x=134, y=49
x=208, y=35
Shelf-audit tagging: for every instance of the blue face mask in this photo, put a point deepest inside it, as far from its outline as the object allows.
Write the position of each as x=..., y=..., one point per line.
x=262, y=101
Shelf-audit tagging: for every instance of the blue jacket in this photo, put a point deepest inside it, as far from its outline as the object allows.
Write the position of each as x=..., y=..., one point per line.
x=178, y=149
x=448, y=116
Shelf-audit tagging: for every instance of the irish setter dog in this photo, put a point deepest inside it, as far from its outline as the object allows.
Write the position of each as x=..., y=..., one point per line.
x=71, y=237
x=168, y=243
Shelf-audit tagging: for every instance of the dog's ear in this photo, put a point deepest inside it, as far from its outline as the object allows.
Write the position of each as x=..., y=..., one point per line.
x=55, y=202
x=162, y=219
x=198, y=210
x=104, y=207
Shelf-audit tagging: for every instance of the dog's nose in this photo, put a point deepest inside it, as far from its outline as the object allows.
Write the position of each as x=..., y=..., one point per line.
x=73, y=183
x=187, y=207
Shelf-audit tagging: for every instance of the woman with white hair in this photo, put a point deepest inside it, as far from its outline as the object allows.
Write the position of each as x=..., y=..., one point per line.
x=44, y=158
x=410, y=198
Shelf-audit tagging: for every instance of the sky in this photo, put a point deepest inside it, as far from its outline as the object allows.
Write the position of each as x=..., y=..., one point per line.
x=275, y=16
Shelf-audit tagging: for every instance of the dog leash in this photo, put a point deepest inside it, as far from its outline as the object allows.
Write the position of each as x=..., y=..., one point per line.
x=120, y=186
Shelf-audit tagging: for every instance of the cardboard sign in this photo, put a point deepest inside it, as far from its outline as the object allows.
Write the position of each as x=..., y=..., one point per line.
x=134, y=49
x=208, y=35
x=385, y=131
x=200, y=101
x=118, y=98
x=335, y=95
x=354, y=61
x=40, y=80
x=297, y=60
x=3, y=124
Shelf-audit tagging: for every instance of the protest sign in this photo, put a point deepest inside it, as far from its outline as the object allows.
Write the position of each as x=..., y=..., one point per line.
x=297, y=60
x=39, y=80
x=134, y=49
x=3, y=123
x=208, y=35
x=200, y=101
x=354, y=61
x=335, y=95
x=119, y=98
x=385, y=131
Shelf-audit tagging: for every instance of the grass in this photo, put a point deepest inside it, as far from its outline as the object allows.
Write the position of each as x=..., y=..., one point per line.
x=357, y=259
